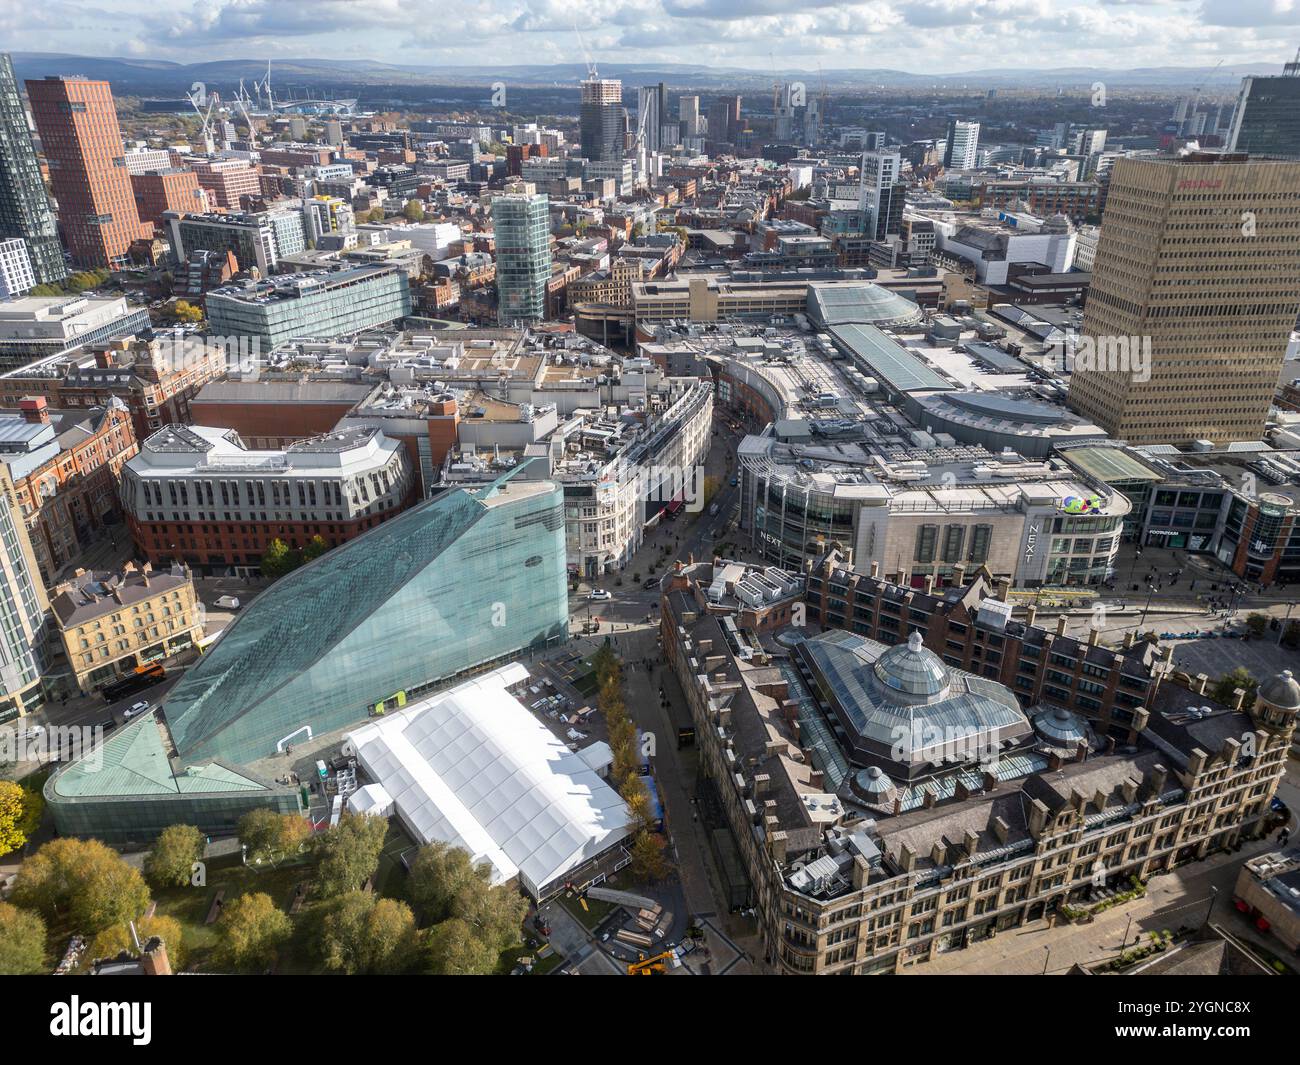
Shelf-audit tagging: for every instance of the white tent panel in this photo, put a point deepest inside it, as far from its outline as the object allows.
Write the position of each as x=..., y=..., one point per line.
x=473, y=768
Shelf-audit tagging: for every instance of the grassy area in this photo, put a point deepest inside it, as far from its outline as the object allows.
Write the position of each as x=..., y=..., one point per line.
x=545, y=960
x=597, y=910
x=190, y=906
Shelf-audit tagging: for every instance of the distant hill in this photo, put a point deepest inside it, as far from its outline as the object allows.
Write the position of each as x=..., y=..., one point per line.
x=149, y=77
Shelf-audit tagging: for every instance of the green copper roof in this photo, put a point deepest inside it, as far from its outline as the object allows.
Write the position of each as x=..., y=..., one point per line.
x=134, y=763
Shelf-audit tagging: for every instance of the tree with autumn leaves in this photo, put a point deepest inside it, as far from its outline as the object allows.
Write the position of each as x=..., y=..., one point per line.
x=649, y=858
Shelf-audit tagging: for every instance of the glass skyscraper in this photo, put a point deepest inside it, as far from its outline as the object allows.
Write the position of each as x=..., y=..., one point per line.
x=24, y=206
x=1267, y=117
x=521, y=227
x=23, y=612
x=460, y=581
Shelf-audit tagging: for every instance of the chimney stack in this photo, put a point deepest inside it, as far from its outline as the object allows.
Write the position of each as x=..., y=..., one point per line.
x=35, y=410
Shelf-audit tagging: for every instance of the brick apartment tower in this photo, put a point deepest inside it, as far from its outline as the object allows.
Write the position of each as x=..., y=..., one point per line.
x=82, y=142
x=1202, y=255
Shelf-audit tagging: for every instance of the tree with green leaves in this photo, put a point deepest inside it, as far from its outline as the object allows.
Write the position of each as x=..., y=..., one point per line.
x=22, y=942
x=495, y=913
x=82, y=881
x=170, y=862
x=438, y=873
x=349, y=853
x=413, y=211
x=278, y=559
x=1223, y=688
x=252, y=932
x=365, y=934
x=1257, y=623
x=272, y=837
x=456, y=950
x=314, y=548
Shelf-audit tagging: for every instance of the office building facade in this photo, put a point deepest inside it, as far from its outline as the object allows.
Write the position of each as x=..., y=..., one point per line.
x=1199, y=258
x=1266, y=120
x=200, y=495
x=310, y=305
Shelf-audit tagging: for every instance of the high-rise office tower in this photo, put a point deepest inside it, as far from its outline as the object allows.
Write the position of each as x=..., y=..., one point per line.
x=81, y=139
x=1267, y=118
x=962, y=144
x=688, y=113
x=24, y=206
x=724, y=119
x=1199, y=259
x=23, y=609
x=601, y=119
x=651, y=112
x=521, y=227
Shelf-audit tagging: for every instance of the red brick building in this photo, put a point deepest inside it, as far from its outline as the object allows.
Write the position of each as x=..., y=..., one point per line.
x=167, y=190
x=65, y=466
x=82, y=143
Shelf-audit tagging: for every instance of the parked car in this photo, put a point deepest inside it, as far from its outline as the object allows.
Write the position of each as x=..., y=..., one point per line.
x=600, y=595
x=228, y=602
x=134, y=709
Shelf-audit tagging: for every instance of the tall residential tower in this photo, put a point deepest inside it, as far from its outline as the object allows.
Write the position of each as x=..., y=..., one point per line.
x=521, y=226
x=81, y=139
x=24, y=206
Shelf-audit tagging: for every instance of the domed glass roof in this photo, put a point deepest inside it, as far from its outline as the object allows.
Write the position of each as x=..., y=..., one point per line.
x=1281, y=691
x=912, y=670
x=873, y=782
x=1058, y=725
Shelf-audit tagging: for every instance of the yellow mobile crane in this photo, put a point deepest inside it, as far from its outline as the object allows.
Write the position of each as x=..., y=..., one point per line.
x=652, y=966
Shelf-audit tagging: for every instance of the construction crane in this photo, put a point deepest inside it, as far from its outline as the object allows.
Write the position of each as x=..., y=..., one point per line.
x=653, y=966
x=196, y=101
x=1196, y=92
x=241, y=102
x=592, y=74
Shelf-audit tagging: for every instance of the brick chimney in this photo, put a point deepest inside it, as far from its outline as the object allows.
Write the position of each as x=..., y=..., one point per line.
x=34, y=410
x=154, y=960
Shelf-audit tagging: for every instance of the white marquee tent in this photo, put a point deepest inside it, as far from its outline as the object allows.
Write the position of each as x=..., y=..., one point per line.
x=472, y=767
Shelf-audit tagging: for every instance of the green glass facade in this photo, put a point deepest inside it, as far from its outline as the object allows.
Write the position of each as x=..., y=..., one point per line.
x=521, y=227
x=126, y=791
x=311, y=305
x=457, y=582
x=24, y=206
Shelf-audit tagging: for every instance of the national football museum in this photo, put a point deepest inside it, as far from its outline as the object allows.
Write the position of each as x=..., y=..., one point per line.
x=469, y=578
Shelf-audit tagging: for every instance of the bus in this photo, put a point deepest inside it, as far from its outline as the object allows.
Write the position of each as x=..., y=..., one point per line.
x=140, y=678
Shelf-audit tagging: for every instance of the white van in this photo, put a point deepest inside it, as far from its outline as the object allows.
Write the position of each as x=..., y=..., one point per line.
x=228, y=602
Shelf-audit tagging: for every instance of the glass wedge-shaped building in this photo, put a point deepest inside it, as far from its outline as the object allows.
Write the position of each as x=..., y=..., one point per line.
x=466, y=579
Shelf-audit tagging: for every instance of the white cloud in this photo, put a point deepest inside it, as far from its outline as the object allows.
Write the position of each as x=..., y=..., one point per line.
x=923, y=36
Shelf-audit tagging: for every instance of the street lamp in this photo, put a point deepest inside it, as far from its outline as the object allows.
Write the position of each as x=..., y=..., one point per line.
x=1151, y=590
x=1285, y=620
x=1214, y=897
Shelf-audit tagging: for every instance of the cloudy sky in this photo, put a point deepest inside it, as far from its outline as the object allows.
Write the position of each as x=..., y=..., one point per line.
x=923, y=36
